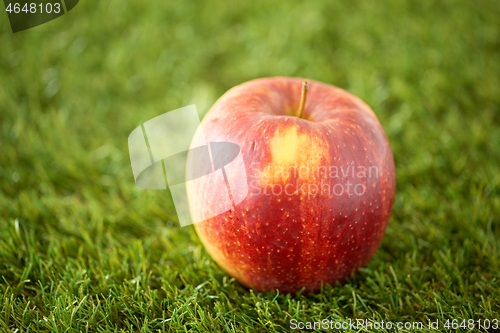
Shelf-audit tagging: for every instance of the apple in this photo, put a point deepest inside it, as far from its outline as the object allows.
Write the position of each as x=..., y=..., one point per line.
x=321, y=183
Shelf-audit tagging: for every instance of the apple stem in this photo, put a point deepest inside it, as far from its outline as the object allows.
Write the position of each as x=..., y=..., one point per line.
x=305, y=87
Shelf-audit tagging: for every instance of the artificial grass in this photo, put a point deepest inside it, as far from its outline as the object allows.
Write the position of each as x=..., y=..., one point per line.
x=82, y=248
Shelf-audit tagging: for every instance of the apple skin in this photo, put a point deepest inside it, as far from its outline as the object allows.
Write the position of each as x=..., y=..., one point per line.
x=306, y=239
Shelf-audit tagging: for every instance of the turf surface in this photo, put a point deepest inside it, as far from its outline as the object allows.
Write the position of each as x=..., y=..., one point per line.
x=82, y=248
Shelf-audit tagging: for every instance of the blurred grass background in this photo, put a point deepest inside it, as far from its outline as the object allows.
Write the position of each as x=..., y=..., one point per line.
x=83, y=248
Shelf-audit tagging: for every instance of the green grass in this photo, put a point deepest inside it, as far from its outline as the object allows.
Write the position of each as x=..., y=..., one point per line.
x=82, y=248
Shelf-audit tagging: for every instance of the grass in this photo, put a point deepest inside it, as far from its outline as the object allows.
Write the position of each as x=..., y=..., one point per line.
x=82, y=248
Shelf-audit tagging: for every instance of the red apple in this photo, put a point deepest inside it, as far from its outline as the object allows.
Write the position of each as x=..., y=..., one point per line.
x=321, y=183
